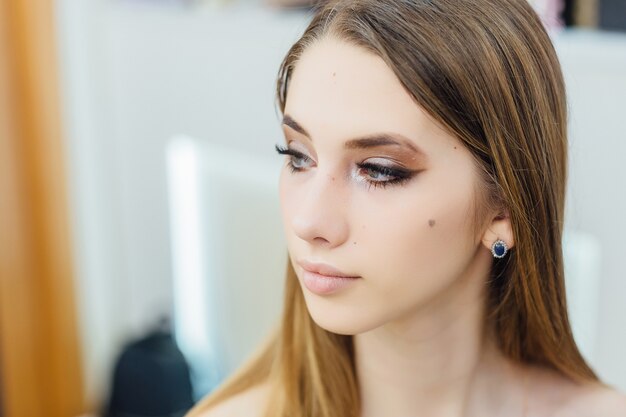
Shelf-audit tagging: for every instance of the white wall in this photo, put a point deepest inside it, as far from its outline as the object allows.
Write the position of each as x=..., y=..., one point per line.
x=594, y=65
x=133, y=76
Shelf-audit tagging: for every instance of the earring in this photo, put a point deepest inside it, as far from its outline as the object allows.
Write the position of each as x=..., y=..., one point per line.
x=499, y=248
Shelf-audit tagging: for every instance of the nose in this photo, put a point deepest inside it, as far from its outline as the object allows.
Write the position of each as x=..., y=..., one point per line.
x=319, y=214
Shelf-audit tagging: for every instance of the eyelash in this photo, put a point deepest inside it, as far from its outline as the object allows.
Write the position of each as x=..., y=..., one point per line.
x=400, y=176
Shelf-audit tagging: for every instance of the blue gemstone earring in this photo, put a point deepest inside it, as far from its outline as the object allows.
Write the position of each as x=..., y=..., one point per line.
x=499, y=248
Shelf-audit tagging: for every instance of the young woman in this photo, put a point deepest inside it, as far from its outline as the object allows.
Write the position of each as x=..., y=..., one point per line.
x=422, y=196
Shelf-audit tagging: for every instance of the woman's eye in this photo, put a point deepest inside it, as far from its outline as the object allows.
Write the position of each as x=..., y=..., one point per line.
x=374, y=174
x=382, y=176
x=295, y=162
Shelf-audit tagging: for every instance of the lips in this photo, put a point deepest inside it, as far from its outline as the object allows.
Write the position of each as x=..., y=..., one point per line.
x=324, y=279
x=324, y=269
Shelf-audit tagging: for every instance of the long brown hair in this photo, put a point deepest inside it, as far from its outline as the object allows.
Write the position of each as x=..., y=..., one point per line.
x=487, y=71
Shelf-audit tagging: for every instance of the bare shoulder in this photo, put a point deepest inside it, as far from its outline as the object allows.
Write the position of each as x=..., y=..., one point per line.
x=249, y=403
x=557, y=396
x=594, y=400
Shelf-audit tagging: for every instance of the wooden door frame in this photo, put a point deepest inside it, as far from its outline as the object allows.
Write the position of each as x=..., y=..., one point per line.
x=40, y=361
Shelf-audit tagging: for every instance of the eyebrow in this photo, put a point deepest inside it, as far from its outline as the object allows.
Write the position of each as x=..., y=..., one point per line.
x=369, y=141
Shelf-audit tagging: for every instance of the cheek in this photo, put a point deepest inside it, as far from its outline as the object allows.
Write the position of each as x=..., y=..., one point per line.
x=289, y=195
x=282, y=191
x=422, y=245
x=286, y=195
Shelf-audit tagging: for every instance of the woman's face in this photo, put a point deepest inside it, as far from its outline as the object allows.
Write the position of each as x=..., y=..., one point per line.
x=397, y=215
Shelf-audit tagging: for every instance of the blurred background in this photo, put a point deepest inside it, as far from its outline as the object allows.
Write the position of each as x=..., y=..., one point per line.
x=142, y=255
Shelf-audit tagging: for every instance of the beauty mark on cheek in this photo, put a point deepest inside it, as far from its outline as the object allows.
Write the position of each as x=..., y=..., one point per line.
x=431, y=223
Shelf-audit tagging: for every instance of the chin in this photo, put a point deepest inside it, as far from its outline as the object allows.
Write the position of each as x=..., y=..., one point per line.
x=340, y=318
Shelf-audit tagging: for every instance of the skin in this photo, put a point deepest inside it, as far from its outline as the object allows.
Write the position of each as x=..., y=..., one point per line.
x=416, y=313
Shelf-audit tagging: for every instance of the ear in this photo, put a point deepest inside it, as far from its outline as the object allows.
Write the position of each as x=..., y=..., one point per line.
x=499, y=228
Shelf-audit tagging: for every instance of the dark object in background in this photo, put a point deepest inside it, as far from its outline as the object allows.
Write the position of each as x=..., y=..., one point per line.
x=599, y=14
x=151, y=379
x=567, y=13
x=613, y=15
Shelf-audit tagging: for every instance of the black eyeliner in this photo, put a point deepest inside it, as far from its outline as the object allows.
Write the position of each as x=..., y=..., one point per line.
x=400, y=175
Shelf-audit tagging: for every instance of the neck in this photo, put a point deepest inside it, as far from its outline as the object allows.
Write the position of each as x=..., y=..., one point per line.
x=440, y=362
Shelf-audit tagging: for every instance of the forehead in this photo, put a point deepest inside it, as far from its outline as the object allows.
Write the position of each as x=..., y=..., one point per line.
x=342, y=89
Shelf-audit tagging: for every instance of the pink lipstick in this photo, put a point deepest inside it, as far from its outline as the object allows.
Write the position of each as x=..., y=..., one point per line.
x=323, y=279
